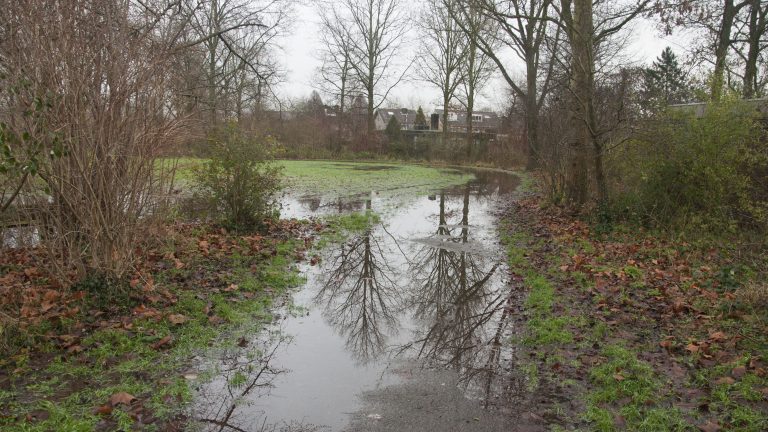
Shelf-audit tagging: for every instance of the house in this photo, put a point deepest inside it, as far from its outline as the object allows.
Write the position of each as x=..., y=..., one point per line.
x=482, y=121
x=406, y=117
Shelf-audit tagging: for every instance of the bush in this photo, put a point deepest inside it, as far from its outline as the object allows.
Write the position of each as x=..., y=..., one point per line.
x=239, y=178
x=706, y=174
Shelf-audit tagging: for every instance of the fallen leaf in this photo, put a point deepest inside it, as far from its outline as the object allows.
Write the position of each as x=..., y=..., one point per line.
x=718, y=336
x=692, y=348
x=105, y=409
x=725, y=380
x=709, y=426
x=738, y=371
x=242, y=342
x=618, y=377
x=177, y=319
x=49, y=300
x=121, y=398
x=162, y=342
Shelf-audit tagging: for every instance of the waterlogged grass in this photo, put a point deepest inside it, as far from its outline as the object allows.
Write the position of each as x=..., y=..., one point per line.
x=340, y=227
x=344, y=178
x=64, y=394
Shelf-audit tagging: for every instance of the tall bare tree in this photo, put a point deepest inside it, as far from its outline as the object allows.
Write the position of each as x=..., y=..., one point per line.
x=442, y=53
x=336, y=75
x=477, y=67
x=750, y=43
x=522, y=28
x=375, y=30
x=725, y=27
x=577, y=17
x=234, y=36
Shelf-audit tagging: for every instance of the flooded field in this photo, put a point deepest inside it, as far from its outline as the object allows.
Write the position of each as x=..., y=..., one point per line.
x=398, y=326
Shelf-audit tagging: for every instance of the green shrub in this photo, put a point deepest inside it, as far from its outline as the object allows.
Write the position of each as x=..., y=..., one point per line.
x=705, y=173
x=239, y=178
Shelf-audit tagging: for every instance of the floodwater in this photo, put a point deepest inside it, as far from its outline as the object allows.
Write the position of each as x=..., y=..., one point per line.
x=420, y=297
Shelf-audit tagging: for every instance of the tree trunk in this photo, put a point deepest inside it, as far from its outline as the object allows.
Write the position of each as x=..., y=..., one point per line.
x=582, y=71
x=471, y=94
x=340, y=114
x=757, y=28
x=470, y=129
x=532, y=112
x=371, y=119
x=212, y=44
x=446, y=101
x=721, y=49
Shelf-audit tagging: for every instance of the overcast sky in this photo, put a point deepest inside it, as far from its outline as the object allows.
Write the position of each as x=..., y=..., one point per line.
x=300, y=49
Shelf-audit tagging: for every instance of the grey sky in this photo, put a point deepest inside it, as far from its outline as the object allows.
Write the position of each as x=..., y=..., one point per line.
x=300, y=61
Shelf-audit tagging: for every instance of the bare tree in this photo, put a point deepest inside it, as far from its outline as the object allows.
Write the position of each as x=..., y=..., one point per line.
x=750, y=43
x=235, y=36
x=477, y=68
x=442, y=52
x=375, y=30
x=725, y=28
x=577, y=19
x=336, y=75
x=522, y=28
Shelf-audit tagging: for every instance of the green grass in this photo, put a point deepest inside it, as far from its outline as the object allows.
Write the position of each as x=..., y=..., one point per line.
x=626, y=386
x=345, y=178
x=543, y=327
x=123, y=360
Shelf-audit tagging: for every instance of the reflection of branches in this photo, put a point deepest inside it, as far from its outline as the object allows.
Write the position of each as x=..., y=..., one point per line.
x=455, y=297
x=360, y=295
x=241, y=378
x=432, y=270
x=238, y=377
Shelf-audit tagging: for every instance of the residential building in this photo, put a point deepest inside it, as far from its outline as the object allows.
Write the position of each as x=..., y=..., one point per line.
x=482, y=121
x=406, y=117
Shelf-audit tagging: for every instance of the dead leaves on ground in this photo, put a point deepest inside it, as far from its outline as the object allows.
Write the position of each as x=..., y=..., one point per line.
x=651, y=292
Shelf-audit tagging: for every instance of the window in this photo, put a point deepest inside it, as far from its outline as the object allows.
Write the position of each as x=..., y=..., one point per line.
x=453, y=116
x=477, y=118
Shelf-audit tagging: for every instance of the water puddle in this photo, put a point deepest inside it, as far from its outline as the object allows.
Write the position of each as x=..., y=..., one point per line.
x=413, y=309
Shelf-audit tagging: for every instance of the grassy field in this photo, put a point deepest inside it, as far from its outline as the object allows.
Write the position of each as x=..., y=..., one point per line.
x=345, y=178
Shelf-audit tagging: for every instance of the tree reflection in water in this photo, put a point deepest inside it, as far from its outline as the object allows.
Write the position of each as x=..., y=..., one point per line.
x=464, y=313
x=360, y=294
x=243, y=375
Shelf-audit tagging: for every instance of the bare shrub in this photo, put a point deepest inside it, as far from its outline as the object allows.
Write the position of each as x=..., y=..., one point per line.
x=100, y=68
